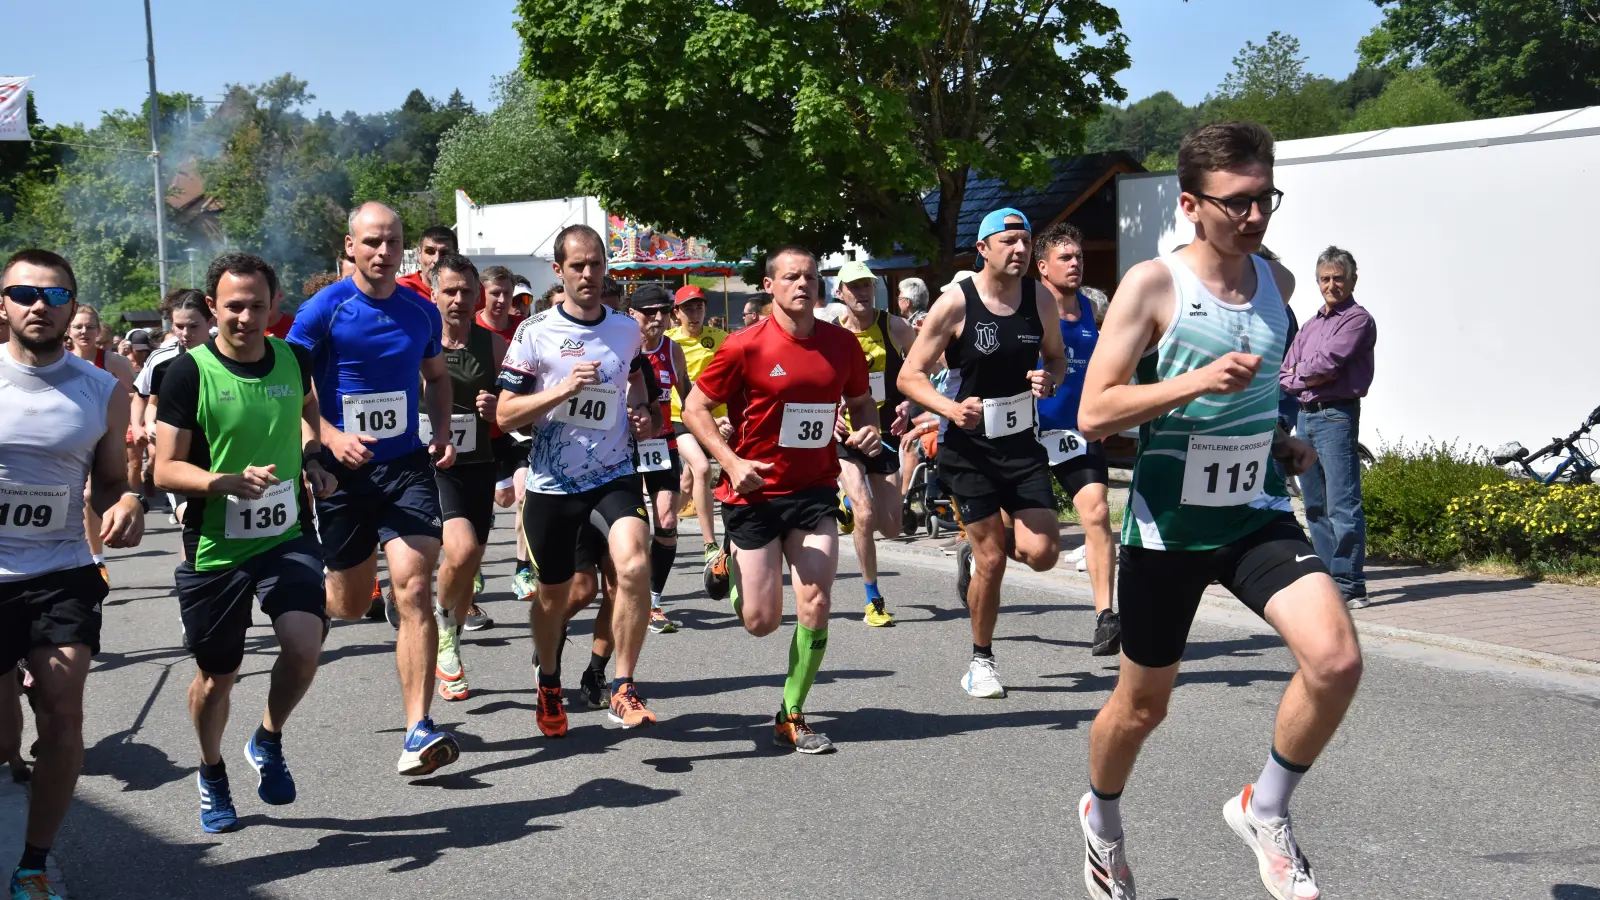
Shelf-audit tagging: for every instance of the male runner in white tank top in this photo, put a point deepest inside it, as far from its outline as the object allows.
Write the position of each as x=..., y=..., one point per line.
x=65, y=425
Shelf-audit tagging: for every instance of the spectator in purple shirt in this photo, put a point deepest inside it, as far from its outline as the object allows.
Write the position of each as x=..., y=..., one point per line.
x=1328, y=369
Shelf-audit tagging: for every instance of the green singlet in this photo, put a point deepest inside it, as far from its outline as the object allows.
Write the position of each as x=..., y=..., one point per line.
x=250, y=422
x=1204, y=476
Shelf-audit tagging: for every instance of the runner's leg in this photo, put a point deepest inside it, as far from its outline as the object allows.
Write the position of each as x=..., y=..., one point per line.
x=462, y=556
x=59, y=674
x=1313, y=620
x=411, y=560
x=350, y=590
x=813, y=558
x=887, y=503
x=853, y=478
x=760, y=583
x=664, y=544
x=988, y=539
x=210, y=698
x=629, y=545
x=699, y=469
x=300, y=637
x=1036, y=536
x=1100, y=551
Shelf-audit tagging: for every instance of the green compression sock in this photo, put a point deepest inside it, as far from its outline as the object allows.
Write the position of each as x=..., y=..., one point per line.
x=805, y=658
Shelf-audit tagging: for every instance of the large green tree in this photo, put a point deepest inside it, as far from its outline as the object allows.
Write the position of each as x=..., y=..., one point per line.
x=1414, y=97
x=1502, y=57
x=755, y=122
x=1269, y=84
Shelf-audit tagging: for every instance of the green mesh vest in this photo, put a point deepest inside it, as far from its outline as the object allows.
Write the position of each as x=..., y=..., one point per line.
x=250, y=422
x=1204, y=476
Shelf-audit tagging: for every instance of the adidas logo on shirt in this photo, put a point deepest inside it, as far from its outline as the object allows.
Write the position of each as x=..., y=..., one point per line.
x=776, y=371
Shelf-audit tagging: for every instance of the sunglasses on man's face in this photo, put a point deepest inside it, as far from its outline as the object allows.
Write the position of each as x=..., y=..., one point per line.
x=28, y=295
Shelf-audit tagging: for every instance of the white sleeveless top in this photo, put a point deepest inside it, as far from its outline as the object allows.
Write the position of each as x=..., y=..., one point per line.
x=53, y=416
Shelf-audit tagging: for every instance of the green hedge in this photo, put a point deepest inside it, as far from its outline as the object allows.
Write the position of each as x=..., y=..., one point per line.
x=1540, y=529
x=1407, y=495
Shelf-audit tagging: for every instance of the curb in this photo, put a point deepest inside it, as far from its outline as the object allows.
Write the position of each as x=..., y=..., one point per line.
x=1226, y=603
x=13, y=828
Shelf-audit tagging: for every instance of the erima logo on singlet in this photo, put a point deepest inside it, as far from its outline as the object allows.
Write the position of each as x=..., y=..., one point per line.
x=988, y=338
x=226, y=396
x=570, y=347
x=1196, y=309
x=776, y=371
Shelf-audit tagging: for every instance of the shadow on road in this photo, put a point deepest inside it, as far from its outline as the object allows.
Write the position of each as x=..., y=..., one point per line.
x=1574, y=892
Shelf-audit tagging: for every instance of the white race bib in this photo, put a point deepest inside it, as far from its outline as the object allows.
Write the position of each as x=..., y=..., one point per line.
x=807, y=426
x=1063, y=445
x=463, y=431
x=267, y=516
x=380, y=415
x=875, y=383
x=1008, y=415
x=654, y=456
x=1225, y=471
x=595, y=406
x=30, y=510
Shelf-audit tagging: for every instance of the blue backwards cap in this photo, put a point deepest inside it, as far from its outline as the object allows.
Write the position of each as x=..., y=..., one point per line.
x=996, y=222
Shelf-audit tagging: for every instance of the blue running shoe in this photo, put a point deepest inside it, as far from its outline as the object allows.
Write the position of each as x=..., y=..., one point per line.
x=426, y=751
x=32, y=884
x=216, y=806
x=276, y=785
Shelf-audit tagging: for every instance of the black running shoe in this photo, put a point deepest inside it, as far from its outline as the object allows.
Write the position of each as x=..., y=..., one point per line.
x=592, y=686
x=1107, y=634
x=963, y=571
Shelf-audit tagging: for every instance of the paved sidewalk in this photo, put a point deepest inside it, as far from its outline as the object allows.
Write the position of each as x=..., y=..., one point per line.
x=13, y=825
x=1554, y=625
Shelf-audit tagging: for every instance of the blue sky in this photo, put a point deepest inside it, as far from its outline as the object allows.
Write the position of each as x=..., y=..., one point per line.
x=88, y=55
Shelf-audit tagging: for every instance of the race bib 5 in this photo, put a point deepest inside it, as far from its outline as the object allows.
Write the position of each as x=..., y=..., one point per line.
x=1008, y=415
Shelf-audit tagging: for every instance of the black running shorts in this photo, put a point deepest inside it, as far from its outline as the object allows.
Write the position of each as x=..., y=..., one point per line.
x=375, y=504
x=984, y=487
x=1158, y=591
x=592, y=550
x=50, y=610
x=552, y=522
x=216, y=604
x=509, y=456
x=751, y=526
x=665, y=479
x=467, y=492
x=886, y=462
x=1076, y=474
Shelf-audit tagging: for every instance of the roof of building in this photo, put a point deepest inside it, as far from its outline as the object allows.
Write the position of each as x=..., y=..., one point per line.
x=1074, y=177
x=1508, y=129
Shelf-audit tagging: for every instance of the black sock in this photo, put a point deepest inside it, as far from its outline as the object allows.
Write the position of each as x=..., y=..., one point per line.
x=597, y=663
x=982, y=651
x=549, y=681
x=662, y=557
x=263, y=736
x=523, y=565
x=34, y=857
x=617, y=683
x=213, y=771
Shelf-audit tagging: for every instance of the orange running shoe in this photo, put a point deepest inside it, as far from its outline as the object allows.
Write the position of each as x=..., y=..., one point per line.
x=628, y=710
x=792, y=731
x=552, y=714
x=104, y=575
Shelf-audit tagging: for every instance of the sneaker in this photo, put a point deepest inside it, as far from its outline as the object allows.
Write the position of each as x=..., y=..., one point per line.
x=447, y=668
x=983, y=679
x=592, y=687
x=791, y=730
x=216, y=806
x=551, y=715
x=1107, y=634
x=964, y=570
x=1077, y=553
x=426, y=751
x=391, y=610
x=477, y=585
x=104, y=575
x=1105, y=865
x=876, y=615
x=1357, y=602
x=477, y=620
x=628, y=710
x=32, y=884
x=375, y=612
x=716, y=574
x=1285, y=871
x=659, y=623
x=847, y=516
x=524, y=586
x=275, y=786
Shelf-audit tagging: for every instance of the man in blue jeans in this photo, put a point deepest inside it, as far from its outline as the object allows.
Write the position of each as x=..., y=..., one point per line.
x=1328, y=369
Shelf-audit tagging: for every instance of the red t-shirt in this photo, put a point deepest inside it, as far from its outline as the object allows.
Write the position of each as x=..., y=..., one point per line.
x=762, y=372
x=509, y=332
x=415, y=282
x=281, y=329
x=661, y=361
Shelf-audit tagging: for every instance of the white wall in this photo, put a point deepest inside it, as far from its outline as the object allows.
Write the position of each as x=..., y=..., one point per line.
x=1476, y=263
x=522, y=229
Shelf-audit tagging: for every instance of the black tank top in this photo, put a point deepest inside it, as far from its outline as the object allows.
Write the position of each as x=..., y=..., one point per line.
x=991, y=360
x=472, y=370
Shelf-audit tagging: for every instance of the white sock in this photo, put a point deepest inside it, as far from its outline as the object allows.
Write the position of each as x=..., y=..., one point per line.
x=99, y=558
x=1269, y=799
x=655, y=600
x=1105, y=817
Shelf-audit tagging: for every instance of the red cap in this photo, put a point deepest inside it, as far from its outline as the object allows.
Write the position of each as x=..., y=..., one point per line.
x=686, y=293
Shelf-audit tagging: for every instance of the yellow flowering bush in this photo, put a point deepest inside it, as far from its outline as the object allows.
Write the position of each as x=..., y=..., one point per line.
x=1406, y=492
x=1528, y=522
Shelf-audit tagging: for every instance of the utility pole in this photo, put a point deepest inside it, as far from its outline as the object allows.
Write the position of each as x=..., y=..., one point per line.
x=155, y=150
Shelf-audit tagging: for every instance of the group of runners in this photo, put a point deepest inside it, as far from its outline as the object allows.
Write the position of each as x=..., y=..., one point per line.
x=397, y=414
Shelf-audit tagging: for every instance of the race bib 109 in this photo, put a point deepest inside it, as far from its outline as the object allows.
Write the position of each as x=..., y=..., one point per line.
x=807, y=426
x=30, y=510
x=267, y=516
x=463, y=431
x=595, y=406
x=1063, y=445
x=380, y=415
x=1008, y=415
x=1225, y=471
x=654, y=456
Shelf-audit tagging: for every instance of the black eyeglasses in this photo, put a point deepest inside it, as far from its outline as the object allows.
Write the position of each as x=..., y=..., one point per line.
x=28, y=295
x=1239, y=207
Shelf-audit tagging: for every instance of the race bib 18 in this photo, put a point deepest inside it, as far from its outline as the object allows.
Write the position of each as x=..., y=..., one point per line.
x=807, y=426
x=595, y=406
x=654, y=456
x=1063, y=445
x=1225, y=471
x=380, y=415
x=1008, y=415
x=30, y=510
x=269, y=515
x=463, y=431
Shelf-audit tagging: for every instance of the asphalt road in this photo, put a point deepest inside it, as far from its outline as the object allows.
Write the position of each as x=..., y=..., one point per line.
x=1452, y=778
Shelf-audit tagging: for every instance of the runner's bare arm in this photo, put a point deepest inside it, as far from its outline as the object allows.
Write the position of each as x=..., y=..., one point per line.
x=320, y=481
x=702, y=424
x=641, y=396
x=122, y=515
x=903, y=335
x=680, y=366
x=436, y=399
x=942, y=325
x=1052, y=351
x=486, y=401
x=864, y=416
x=1137, y=317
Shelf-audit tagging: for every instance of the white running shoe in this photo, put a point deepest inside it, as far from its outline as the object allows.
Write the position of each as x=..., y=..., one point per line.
x=1077, y=554
x=1285, y=871
x=1105, y=865
x=983, y=680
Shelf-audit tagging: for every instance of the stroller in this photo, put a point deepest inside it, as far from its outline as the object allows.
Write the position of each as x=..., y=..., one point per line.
x=928, y=504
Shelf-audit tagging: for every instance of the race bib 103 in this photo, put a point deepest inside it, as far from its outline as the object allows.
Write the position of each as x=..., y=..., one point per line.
x=382, y=415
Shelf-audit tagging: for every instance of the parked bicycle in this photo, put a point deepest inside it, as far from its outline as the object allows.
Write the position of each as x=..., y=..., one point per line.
x=1573, y=457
